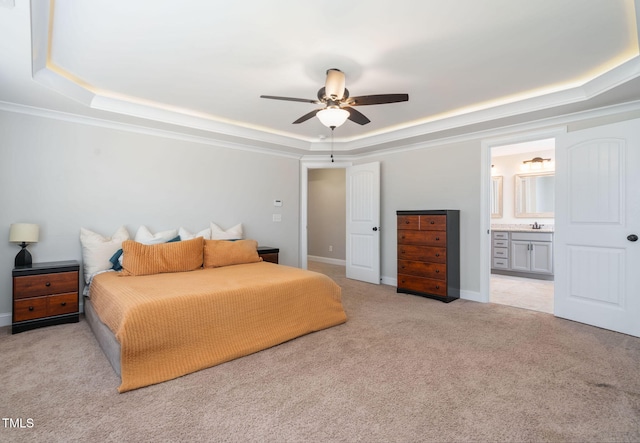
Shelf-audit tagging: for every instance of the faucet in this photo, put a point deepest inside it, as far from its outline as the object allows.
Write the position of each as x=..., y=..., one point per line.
x=535, y=225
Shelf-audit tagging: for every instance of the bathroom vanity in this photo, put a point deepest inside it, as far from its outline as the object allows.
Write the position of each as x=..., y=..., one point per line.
x=522, y=252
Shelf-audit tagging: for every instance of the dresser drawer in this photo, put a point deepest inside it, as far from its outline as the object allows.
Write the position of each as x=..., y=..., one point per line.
x=420, y=284
x=437, y=271
x=409, y=222
x=45, y=284
x=62, y=304
x=429, y=254
x=501, y=252
x=427, y=238
x=30, y=308
x=433, y=222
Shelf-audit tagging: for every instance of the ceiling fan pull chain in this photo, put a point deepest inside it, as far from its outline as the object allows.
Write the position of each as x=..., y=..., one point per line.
x=332, y=128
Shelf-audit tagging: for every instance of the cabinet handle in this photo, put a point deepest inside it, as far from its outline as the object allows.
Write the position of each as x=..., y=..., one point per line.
x=402, y=237
x=406, y=222
x=402, y=266
x=437, y=286
x=64, y=303
x=437, y=238
x=432, y=222
x=47, y=284
x=403, y=280
x=437, y=271
x=437, y=255
x=31, y=308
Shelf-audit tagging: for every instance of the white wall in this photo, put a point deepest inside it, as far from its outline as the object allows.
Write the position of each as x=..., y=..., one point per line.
x=64, y=175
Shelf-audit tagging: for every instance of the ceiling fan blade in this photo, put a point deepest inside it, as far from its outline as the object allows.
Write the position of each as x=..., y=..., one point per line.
x=290, y=99
x=379, y=99
x=357, y=116
x=307, y=116
x=334, y=85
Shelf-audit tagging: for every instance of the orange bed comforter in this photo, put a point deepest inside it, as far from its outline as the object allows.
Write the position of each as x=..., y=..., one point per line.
x=169, y=325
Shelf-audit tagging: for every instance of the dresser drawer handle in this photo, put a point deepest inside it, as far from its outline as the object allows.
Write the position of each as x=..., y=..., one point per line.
x=406, y=222
x=437, y=255
x=437, y=238
x=31, y=308
x=432, y=222
x=64, y=303
x=47, y=284
x=437, y=271
x=437, y=286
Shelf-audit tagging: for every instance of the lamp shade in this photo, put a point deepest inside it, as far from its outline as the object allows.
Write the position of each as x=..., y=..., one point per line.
x=333, y=117
x=24, y=232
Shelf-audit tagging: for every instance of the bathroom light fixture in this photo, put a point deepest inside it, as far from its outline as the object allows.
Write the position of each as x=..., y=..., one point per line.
x=333, y=116
x=537, y=163
x=23, y=233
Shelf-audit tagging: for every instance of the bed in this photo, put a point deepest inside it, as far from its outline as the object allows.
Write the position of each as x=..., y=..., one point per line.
x=156, y=326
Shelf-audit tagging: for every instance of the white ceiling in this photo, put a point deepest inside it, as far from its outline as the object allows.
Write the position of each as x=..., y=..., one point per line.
x=199, y=67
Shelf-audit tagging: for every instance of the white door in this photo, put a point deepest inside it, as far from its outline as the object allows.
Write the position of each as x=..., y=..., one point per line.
x=363, y=222
x=597, y=258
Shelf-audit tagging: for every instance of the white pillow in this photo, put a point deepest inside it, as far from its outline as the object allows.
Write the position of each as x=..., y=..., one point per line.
x=97, y=250
x=234, y=233
x=144, y=236
x=186, y=235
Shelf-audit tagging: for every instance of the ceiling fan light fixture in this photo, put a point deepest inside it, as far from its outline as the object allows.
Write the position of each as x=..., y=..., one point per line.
x=333, y=117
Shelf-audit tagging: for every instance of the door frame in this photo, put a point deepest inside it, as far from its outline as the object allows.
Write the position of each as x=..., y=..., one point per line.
x=485, y=197
x=305, y=165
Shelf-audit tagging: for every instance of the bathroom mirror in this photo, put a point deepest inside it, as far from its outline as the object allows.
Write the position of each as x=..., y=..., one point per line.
x=496, y=196
x=534, y=194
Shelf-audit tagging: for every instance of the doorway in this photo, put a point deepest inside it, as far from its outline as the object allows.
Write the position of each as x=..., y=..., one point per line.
x=522, y=225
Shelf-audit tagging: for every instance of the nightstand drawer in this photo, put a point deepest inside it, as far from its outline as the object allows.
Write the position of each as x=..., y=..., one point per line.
x=45, y=284
x=29, y=309
x=62, y=304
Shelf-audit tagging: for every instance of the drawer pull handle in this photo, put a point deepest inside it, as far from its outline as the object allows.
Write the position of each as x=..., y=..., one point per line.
x=437, y=271
x=437, y=255
x=64, y=303
x=437, y=238
x=47, y=284
x=432, y=222
x=31, y=308
x=406, y=222
x=437, y=286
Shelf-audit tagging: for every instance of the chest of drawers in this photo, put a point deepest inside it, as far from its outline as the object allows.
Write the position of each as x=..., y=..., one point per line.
x=45, y=294
x=429, y=253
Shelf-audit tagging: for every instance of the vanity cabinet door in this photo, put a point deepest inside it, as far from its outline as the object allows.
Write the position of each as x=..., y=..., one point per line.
x=542, y=257
x=520, y=255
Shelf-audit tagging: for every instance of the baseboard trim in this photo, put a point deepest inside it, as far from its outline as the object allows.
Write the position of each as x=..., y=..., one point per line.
x=471, y=296
x=331, y=261
x=5, y=319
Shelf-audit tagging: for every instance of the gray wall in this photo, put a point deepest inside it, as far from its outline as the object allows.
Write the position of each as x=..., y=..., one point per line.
x=326, y=216
x=64, y=175
x=443, y=177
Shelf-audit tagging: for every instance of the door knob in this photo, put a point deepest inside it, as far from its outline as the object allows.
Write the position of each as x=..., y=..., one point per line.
x=375, y=228
x=632, y=237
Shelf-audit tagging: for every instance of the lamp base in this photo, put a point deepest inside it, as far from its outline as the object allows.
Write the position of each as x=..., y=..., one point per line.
x=23, y=259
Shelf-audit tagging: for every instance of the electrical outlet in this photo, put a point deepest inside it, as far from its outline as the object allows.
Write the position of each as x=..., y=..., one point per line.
x=330, y=248
x=277, y=217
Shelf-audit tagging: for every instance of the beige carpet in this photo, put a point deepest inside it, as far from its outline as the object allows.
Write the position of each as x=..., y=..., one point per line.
x=402, y=369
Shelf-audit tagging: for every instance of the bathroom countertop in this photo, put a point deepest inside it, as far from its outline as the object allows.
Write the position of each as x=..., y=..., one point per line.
x=521, y=228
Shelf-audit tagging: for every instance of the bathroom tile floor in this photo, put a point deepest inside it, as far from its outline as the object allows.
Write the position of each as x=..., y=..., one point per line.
x=526, y=293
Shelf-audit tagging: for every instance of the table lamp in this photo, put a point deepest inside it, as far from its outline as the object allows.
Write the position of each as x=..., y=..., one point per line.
x=23, y=233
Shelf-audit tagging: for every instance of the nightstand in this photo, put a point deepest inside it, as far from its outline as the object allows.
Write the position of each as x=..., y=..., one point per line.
x=45, y=294
x=269, y=254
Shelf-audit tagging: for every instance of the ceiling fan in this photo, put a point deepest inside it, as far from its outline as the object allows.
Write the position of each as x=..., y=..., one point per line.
x=338, y=104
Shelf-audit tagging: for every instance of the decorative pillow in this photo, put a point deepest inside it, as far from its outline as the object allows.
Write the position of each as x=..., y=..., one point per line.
x=234, y=233
x=219, y=253
x=97, y=250
x=144, y=236
x=186, y=235
x=140, y=259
